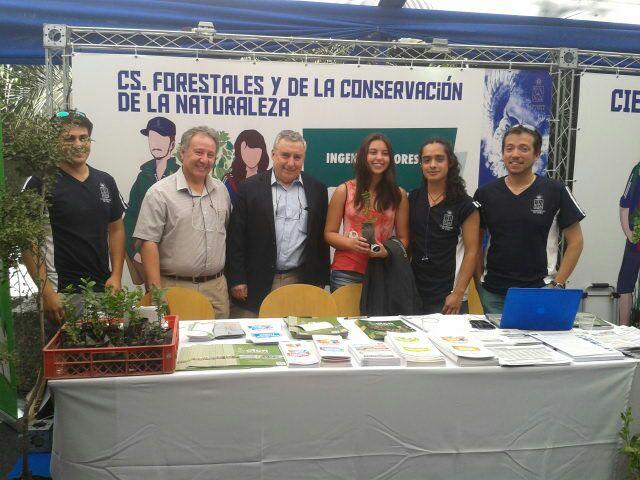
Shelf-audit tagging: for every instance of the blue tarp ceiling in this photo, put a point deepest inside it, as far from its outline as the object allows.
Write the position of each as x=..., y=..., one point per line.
x=21, y=23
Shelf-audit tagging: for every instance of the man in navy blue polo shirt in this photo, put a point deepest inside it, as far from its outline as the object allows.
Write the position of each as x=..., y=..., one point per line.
x=524, y=215
x=630, y=223
x=85, y=216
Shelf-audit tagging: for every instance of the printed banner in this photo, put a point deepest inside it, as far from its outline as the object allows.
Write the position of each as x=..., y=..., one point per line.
x=140, y=105
x=513, y=97
x=606, y=169
x=8, y=389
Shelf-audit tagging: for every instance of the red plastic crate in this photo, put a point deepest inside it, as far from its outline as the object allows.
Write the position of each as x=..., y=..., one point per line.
x=111, y=361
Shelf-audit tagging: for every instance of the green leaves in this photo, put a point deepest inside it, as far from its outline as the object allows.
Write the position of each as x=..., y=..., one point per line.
x=225, y=156
x=31, y=147
x=630, y=444
x=110, y=318
x=23, y=224
x=157, y=298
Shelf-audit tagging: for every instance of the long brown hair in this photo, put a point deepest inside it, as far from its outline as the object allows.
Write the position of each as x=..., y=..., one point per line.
x=455, y=184
x=387, y=192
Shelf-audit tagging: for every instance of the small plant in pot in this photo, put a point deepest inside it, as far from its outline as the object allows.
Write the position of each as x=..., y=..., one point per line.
x=368, y=225
x=111, y=319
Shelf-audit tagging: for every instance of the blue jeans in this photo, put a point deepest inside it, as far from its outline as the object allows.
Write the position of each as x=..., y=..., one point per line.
x=340, y=278
x=491, y=302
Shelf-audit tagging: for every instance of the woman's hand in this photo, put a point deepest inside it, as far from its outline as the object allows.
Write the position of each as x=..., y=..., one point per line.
x=358, y=244
x=382, y=253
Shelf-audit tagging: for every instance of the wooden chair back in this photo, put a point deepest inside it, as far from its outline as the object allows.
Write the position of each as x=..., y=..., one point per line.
x=186, y=303
x=300, y=301
x=475, y=307
x=347, y=300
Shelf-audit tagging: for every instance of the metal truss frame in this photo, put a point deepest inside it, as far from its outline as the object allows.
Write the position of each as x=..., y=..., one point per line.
x=564, y=64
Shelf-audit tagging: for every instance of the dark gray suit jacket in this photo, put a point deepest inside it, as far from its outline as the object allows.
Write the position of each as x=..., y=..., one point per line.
x=251, y=240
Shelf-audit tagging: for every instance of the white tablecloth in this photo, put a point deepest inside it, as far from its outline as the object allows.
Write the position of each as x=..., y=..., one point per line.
x=359, y=423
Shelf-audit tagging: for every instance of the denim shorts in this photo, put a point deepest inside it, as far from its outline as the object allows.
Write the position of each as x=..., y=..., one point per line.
x=340, y=278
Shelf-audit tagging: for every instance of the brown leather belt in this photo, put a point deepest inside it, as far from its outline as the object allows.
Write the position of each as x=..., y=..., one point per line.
x=202, y=279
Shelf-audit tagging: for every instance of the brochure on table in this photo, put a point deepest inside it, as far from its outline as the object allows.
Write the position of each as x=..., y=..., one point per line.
x=464, y=345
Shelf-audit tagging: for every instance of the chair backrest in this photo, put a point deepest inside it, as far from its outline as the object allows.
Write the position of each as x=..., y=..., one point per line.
x=298, y=300
x=186, y=303
x=475, y=307
x=347, y=300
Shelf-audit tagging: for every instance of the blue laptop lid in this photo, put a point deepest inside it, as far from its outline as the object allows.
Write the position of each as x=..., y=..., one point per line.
x=540, y=308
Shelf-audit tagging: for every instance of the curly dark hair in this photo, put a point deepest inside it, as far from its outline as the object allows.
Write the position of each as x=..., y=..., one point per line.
x=253, y=139
x=387, y=191
x=456, y=187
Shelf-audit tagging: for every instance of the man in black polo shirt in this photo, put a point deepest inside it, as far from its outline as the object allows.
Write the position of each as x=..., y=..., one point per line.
x=524, y=215
x=85, y=216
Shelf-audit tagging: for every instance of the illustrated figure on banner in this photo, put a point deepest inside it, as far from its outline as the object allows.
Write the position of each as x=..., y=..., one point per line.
x=250, y=157
x=161, y=136
x=630, y=223
x=511, y=98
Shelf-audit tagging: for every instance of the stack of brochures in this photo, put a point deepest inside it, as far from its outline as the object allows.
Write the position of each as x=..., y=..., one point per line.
x=227, y=355
x=376, y=329
x=580, y=348
x=333, y=351
x=200, y=331
x=374, y=355
x=623, y=338
x=263, y=331
x=504, y=337
x=415, y=349
x=463, y=350
x=514, y=356
x=226, y=329
x=203, y=331
x=300, y=353
x=306, y=327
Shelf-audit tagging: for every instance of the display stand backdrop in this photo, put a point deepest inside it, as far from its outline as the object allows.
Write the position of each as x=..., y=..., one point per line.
x=607, y=148
x=335, y=106
x=137, y=102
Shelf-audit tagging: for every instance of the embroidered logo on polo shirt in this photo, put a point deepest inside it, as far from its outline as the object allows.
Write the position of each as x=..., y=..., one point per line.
x=538, y=205
x=447, y=221
x=105, y=194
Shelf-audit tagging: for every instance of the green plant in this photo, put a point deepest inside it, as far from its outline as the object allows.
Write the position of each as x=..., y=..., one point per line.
x=5, y=354
x=110, y=319
x=225, y=156
x=367, y=208
x=630, y=444
x=157, y=298
x=31, y=146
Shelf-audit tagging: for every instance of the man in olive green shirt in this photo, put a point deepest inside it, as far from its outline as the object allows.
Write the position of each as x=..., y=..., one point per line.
x=161, y=133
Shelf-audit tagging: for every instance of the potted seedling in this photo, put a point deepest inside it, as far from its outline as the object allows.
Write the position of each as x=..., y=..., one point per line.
x=368, y=225
x=105, y=334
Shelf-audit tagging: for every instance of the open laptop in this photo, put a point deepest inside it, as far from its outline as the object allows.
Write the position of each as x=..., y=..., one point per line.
x=540, y=308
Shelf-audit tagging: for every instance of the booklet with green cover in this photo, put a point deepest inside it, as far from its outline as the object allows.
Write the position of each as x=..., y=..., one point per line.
x=228, y=355
x=306, y=327
x=377, y=329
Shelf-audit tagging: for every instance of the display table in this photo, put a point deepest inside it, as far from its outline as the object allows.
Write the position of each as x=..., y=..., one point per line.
x=352, y=423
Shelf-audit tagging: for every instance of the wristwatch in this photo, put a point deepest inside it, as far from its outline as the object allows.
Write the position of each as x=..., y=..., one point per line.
x=555, y=284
